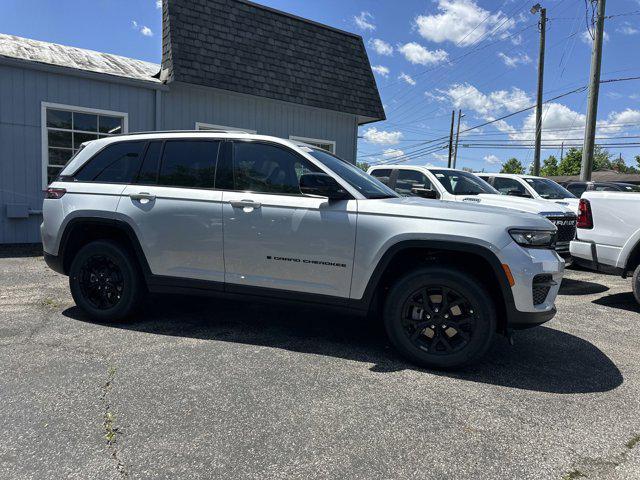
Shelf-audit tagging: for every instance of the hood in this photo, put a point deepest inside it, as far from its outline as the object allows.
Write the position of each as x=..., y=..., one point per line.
x=529, y=205
x=571, y=203
x=464, y=212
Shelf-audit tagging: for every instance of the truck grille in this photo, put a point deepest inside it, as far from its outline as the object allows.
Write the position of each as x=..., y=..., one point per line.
x=566, y=225
x=541, y=286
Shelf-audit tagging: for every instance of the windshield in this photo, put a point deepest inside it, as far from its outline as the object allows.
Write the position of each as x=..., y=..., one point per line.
x=368, y=186
x=549, y=189
x=463, y=183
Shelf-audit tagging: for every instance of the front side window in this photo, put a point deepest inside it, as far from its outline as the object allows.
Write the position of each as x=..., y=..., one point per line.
x=65, y=130
x=188, y=163
x=462, y=183
x=382, y=174
x=509, y=186
x=409, y=179
x=116, y=163
x=263, y=168
x=548, y=189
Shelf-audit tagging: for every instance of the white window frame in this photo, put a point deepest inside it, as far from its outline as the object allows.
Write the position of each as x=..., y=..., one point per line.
x=312, y=141
x=211, y=126
x=70, y=108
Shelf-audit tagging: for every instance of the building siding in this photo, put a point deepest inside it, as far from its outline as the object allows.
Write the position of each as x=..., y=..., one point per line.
x=22, y=91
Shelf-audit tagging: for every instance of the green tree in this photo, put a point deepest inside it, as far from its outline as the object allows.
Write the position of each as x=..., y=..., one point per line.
x=601, y=159
x=549, y=167
x=513, y=165
x=362, y=165
x=570, y=164
x=638, y=161
x=619, y=165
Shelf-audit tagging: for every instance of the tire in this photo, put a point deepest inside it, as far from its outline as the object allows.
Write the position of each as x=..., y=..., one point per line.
x=636, y=284
x=454, y=342
x=105, y=281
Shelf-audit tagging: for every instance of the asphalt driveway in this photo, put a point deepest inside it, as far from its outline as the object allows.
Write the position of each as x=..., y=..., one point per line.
x=199, y=388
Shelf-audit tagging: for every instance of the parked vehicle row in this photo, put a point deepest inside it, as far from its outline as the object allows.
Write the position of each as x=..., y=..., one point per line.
x=258, y=217
x=461, y=186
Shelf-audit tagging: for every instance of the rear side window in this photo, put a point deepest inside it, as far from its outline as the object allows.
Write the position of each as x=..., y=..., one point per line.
x=409, y=179
x=577, y=188
x=116, y=163
x=189, y=163
x=382, y=174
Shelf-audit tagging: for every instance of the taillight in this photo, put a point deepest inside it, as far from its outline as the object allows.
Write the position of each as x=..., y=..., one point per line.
x=55, y=193
x=585, y=218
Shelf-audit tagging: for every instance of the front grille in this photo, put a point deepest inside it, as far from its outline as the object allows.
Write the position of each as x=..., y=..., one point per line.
x=541, y=286
x=566, y=225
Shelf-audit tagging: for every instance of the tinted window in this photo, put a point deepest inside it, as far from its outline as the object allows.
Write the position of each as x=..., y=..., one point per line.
x=410, y=179
x=258, y=167
x=382, y=175
x=117, y=163
x=462, y=183
x=506, y=185
x=368, y=186
x=605, y=188
x=548, y=188
x=188, y=163
x=149, y=170
x=577, y=188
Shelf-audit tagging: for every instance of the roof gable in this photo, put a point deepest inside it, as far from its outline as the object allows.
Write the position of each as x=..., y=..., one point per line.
x=243, y=47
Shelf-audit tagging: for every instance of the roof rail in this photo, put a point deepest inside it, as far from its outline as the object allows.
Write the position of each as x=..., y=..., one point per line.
x=212, y=130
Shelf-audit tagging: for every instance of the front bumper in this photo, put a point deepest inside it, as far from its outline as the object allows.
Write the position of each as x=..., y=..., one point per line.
x=527, y=267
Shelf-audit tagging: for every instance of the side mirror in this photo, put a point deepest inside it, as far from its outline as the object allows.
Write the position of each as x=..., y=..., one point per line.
x=322, y=185
x=424, y=193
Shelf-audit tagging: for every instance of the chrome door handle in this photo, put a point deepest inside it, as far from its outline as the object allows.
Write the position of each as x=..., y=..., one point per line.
x=245, y=204
x=142, y=196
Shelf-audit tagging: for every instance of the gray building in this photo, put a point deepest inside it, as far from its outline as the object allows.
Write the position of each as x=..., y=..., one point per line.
x=229, y=64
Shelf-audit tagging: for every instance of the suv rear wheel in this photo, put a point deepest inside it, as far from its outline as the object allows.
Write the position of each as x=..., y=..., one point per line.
x=439, y=317
x=105, y=281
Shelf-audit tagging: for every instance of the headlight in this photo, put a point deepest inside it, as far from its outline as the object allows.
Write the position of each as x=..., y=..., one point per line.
x=534, y=238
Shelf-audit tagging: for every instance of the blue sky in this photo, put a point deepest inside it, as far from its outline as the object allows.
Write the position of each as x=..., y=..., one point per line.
x=429, y=57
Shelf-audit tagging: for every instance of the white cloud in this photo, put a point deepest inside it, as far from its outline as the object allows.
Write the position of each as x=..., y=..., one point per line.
x=381, y=47
x=158, y=4
x=407, y=78
x=382, y=137
x=143, y=29
x=458, y=21
x=513, y=61
x=491, y=159
x=417, y=54
x=393, y=153
x=627, y=29
x=440, y=157
x=616, y=121
x=380, y=70
x=586, y=37
x=468, y=97
x=364, y=21
x=558, y=122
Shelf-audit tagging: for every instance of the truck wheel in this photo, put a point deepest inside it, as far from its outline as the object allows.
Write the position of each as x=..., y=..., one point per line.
x=440, y=317
x=105, y=281
x=636, y=284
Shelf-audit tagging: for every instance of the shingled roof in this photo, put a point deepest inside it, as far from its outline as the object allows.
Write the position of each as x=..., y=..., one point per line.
x=244, y=47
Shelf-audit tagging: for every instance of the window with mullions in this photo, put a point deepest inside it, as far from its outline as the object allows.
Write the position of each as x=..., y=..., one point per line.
x=66, y=130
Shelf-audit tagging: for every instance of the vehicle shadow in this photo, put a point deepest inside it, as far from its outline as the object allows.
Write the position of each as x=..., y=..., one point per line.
x=569, y=286
x=623, y=301
x=543, y=359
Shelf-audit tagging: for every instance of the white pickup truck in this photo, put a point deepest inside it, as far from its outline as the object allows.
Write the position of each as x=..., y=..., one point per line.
x=608, y=234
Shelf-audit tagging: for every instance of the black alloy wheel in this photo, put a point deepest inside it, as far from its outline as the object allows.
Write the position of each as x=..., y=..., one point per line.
x=101, y=282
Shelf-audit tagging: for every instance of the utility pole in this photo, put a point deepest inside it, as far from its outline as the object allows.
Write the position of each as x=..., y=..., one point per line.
x=543, y=32
x=455, y=150
x=562, y=151
x=453, y=116
x=594, y=90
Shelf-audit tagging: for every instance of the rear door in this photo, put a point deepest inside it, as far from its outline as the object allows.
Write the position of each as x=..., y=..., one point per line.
x=274, y=236
x=175, y=210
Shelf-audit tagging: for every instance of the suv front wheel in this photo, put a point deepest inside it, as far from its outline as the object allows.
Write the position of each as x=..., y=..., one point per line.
x=440, y=317
x=105, y=281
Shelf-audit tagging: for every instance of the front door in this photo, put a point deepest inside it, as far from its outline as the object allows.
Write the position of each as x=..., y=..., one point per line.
x=176, y=212
x=274, y=236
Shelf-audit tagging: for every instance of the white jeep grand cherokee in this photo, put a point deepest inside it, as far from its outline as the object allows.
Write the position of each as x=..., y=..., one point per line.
x=234, y=214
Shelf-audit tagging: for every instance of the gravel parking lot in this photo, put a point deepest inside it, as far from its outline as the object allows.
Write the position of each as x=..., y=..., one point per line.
x=198, y=388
